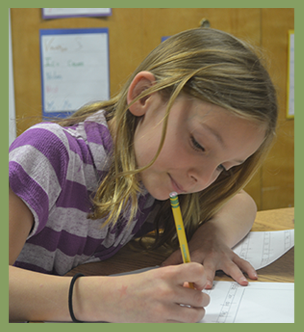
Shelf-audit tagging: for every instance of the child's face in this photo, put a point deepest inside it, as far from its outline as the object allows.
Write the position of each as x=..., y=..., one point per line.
x=202, y=141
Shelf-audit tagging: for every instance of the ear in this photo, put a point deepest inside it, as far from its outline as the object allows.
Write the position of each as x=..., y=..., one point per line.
x=141, y=82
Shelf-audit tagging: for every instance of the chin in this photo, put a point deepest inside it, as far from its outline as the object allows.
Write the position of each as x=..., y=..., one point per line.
x=159, y=195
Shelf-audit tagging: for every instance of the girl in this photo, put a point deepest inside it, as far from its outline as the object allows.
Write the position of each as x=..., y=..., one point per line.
x=196, y=117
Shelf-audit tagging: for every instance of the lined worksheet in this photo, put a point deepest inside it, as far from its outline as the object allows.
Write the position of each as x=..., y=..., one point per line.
x=263, y=248
x=259, y=302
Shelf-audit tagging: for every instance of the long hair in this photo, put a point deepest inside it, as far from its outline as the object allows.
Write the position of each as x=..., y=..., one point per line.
x=207, y=64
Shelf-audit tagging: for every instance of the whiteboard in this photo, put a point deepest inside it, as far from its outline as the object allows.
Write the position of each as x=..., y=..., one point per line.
x=290, y=76
x=74, y=69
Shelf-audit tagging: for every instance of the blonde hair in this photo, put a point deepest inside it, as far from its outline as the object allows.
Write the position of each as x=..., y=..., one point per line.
x=206, y=64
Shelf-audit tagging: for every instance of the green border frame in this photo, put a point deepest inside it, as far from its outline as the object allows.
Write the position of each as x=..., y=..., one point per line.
x=299, y=157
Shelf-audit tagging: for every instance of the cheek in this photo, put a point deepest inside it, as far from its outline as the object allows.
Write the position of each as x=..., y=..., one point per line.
x=173, y=154
x=145, y=147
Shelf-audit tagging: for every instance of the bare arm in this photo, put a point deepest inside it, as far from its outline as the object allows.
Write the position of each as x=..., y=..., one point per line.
x=152, y=296
x=24, y=286
x=234, y=220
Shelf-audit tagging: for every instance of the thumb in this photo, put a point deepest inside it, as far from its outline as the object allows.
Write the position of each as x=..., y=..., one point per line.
x=174, y=259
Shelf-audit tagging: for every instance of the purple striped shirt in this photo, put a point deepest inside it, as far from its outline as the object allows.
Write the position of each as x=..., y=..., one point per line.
x=55, y=171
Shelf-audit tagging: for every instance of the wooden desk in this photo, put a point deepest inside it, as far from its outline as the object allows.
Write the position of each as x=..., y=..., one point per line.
x=127, y=259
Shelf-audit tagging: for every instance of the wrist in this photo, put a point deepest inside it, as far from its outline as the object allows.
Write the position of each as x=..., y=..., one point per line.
x=213, y=231
x=70, y=299
x=83, y=299
x=93, y=299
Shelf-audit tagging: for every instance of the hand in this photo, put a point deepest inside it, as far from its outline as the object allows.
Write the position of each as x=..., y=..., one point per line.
x=215, y=255
x=154, y=296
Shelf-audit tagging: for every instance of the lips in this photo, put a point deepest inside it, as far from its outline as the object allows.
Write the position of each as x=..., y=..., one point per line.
x=176, y=186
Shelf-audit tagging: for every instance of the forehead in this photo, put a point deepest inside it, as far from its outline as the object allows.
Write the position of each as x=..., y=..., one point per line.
x=205, y=112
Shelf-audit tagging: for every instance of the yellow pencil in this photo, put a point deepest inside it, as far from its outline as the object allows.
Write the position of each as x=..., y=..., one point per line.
x=180, y=229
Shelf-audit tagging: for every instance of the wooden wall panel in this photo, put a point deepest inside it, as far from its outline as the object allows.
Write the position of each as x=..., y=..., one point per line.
x=243, y=23
x=133, y=33
x=277, y=188
x=26, y=64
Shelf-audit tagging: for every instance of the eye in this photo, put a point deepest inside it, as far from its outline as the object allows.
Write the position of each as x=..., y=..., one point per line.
x=196, y=146
x=221, y=168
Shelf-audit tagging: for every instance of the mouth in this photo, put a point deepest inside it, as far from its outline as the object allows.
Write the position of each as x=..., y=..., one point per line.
x=176, y=186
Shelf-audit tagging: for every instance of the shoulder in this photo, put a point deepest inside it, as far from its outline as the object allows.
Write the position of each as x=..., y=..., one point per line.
x=95, y=134
x=43, y=137
x=38, y=162
x=39, y=151
x=97, y=131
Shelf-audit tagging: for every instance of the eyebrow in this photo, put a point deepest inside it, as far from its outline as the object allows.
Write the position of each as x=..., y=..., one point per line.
x=211, y=130
x=218, y=137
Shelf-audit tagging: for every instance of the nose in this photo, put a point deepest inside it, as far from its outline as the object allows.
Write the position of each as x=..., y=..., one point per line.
x=203, y=176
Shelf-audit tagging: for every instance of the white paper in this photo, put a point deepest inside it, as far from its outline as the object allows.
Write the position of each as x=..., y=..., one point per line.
x=259, y=302
x=66, y=12
x=75, y=68
x=263, y=248
x=258, y=248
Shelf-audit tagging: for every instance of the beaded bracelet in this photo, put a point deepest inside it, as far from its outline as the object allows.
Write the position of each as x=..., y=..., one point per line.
x=76, y=276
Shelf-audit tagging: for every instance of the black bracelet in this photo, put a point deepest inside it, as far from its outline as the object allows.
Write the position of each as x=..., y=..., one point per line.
x=71, y=297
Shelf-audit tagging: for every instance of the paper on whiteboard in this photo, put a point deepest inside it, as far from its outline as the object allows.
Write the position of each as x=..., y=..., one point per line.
x=74, y=12
x=263, y=248
x=74, y=69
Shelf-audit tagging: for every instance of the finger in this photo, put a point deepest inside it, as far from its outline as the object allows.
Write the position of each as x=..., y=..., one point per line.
x=187, y=314
x=194, y=273
x=246, y=267
x=174, y=259
x=193, y=297
x=234, y=272
x=210, y=271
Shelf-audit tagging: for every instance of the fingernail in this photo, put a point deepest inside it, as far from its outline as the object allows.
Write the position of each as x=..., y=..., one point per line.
x=244, y=280
x=209, y=284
